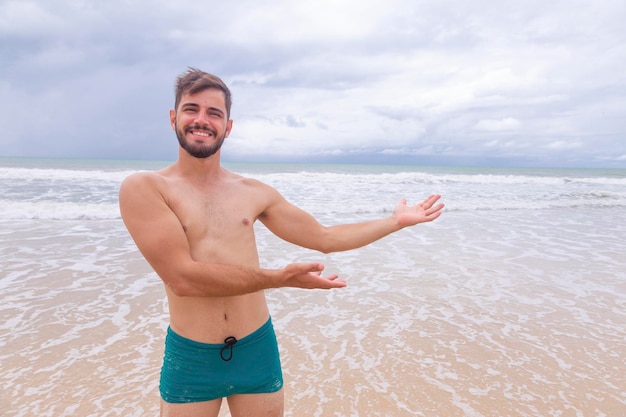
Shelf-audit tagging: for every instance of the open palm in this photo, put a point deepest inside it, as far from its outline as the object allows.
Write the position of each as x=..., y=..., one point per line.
x=423, y=212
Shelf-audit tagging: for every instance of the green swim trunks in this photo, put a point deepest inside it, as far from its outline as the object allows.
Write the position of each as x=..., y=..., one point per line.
x=195, y=372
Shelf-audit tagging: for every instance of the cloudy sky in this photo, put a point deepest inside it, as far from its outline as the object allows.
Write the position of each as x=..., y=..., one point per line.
x=528, y=82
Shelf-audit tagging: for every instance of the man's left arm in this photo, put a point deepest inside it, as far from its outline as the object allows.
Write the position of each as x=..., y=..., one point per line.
x=298, y=227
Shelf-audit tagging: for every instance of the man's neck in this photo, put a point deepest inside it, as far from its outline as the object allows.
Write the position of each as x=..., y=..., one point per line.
x=201, y=170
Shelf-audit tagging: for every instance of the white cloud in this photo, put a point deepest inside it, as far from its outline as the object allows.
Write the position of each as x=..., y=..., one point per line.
x=396, y=77
x=27, y=18
x=500, y=125
x=559, y=145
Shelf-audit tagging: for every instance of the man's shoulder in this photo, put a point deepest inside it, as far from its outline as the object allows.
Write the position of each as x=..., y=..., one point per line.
x=245, y=181
x=253, y=187
x=142, y=178
x=147, y=183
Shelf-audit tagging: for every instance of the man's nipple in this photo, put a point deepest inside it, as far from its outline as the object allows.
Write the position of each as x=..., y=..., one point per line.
x=245, y=221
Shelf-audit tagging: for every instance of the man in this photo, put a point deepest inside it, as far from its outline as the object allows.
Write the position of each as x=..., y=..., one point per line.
x=193, y=222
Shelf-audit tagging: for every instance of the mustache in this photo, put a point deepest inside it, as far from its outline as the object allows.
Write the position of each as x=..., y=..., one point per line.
x=204, y=128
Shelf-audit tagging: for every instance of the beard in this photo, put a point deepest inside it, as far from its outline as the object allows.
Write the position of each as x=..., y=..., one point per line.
x=200, y=150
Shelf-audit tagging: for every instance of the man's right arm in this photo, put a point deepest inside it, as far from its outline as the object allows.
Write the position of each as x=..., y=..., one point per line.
x=160, y=237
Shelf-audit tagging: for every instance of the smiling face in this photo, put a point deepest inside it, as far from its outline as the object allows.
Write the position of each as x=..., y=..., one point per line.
x=201, y=122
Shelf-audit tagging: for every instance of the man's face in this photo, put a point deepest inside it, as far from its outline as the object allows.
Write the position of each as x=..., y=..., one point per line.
x=201, y=123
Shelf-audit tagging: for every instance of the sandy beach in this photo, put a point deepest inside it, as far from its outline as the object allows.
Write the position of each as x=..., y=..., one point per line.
x=483, y=313
x=457, y=330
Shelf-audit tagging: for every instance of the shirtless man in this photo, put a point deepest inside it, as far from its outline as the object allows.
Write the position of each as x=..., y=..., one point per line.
x=193, y=222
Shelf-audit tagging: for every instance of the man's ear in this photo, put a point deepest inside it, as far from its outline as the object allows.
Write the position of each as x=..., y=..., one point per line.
x=229, y=126
x=173, y=119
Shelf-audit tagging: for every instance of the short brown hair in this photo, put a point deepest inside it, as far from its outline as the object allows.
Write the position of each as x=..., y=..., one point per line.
x=194, y=81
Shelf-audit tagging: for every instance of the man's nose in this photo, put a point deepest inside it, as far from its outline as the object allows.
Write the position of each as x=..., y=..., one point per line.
x=201, y=117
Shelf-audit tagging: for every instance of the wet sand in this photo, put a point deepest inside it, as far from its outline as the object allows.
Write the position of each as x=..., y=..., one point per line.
x=522, y=314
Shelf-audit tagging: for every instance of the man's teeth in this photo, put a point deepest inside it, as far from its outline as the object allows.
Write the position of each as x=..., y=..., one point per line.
x=200, y=133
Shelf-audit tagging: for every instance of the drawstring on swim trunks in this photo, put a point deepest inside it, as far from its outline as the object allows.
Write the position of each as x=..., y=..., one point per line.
x=229, y=342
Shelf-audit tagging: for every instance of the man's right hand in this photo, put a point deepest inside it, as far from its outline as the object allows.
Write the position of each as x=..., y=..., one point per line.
x=309, y=276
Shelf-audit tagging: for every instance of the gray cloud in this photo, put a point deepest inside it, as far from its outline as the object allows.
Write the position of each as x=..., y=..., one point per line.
x=522, y=82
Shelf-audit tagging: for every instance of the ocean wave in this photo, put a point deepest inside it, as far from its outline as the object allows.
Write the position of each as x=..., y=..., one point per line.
x=67, y=175
x=330, y=213
x=57, y=210
x=402, y=177
x=72, y=194
x=430, y=178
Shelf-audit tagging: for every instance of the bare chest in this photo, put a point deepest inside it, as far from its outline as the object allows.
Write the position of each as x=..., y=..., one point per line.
x=217, y=223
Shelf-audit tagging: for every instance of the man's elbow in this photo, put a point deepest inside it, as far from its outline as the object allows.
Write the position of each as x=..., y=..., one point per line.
x=329, y=245
x=178, y=282
x=326, y=242
x=326, y=249
x=179, y=279
x=180, y=287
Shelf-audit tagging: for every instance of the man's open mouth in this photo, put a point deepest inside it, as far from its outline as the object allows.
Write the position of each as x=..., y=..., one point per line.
x=204, y=132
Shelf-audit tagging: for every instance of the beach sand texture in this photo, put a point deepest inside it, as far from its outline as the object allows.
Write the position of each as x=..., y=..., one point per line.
x=482, y=313
x=436, y=322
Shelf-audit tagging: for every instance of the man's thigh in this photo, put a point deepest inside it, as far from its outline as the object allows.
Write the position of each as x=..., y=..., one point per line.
x=246, y=405
x=201, y=409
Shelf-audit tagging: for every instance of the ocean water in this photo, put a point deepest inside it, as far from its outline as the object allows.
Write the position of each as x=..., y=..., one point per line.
x=512, y=303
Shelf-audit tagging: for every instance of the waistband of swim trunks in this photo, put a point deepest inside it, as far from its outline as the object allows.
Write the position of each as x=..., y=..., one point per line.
x=175, y=338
